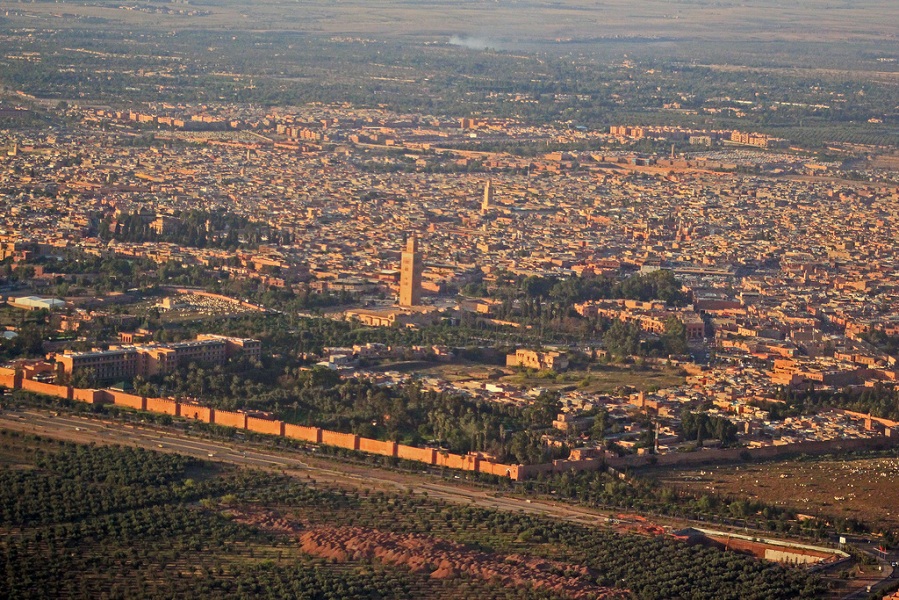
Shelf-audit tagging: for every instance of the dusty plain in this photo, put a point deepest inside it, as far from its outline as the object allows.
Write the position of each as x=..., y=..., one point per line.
x=845, y=487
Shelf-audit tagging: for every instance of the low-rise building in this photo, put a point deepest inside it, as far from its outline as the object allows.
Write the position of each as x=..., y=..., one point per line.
x=541, y=361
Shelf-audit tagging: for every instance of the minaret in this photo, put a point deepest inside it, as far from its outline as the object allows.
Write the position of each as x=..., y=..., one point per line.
x=410, y=274
x=655, y=441
x=487, y=204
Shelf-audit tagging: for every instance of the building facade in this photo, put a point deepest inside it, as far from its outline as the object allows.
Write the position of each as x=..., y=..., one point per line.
x=146, y=360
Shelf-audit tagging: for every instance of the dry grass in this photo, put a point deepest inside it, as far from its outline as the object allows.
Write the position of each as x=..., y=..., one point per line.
x=885, y=161
x=600, y=379
x=605, y=379
x=863, y=488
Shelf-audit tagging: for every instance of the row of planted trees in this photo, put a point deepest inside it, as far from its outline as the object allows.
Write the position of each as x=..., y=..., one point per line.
x=175, y=547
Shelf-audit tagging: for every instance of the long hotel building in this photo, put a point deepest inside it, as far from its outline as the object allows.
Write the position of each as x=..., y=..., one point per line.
x=153, y=359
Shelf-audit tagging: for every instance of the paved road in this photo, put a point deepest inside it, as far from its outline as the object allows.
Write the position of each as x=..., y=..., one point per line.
x=881, y=581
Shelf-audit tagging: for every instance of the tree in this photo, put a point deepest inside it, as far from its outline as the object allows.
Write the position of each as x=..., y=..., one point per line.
x=675, y=337
x=544, y=409
x=700, y=426
x=84, y=378
x=142, y=387
x=622, y=339
x=598, y=432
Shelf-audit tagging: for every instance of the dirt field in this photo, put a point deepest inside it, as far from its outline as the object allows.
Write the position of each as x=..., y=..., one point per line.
x=604, y=379
x=455, y=371
x=865, y=489
x=885, y=161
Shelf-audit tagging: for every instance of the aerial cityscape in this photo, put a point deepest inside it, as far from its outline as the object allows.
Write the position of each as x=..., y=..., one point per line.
x=432, y=299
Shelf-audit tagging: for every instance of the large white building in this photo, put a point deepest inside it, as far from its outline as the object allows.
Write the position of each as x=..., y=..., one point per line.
x=37, y=303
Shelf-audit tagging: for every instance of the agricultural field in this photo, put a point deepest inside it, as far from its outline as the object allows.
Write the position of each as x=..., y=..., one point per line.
x=850, y=488
x=498, y=24
x=152, y=525
x=475, y=57
x=886, y=161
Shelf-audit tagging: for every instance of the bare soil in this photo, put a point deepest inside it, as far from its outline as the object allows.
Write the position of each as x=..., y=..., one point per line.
x=865, y=488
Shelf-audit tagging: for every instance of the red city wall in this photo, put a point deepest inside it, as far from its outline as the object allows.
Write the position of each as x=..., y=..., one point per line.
x=857, y=415
x=48, y=389
x=89, y=396
x=560, y=466
x=425, y=455
x=196, y=412
x=454, y=461
x=307, y=434
x=229, y=419
x=533, y=470
x=242, y=421
x=587, y=464
x=377, y=447
x=428, y=455
x=471, y=463
x=341, y=440
x=265, y=426
x=10, y=379
x=161, y=405
x=127, y=400
x=498, y=469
